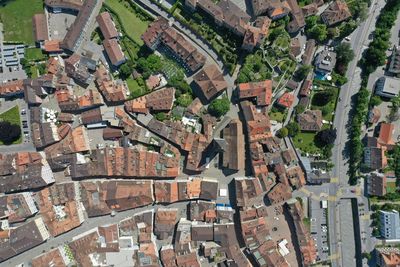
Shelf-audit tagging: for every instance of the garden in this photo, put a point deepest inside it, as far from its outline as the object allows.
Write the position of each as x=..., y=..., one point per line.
x=324, y=98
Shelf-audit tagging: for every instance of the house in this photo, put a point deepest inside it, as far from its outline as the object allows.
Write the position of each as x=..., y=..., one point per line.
x=275, y=9
x=336, y=12
x=160, y=33
x=54, y=256
x=308, y=55
x=387, y=87
x=390, y=224
x=74, y=37
x=256, y=33
x=22, y=238
x=57, y=6
x=286, y=100
x=12, y=88
x=295, y=47
x=156, y=101
x=374, y=158
x=40, y=31
x=325, y=62
x=233, y=156
x=279, y=193
x=262, y=91
x=376, y=184
x=307, y=85
x=210, y=81
x=387, y=256
x=107, y=26
x=385, y=137
x=114, y=52
x=310, y=9
x=394, y=66
x=297, y=22
x=310, y=120
x=248, y=192
x=306, y=244
x=374, y=115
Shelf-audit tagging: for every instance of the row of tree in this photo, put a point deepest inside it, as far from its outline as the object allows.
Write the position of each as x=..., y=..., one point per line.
x=375, y=55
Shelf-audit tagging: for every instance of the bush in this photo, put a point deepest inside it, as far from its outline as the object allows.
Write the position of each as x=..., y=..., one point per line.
x=323, y=97
x=293, y=128
x=302, y=72
x=9, y=132
x=375, y=101
x=282, y=133
x=219, y=107
x=161, y=116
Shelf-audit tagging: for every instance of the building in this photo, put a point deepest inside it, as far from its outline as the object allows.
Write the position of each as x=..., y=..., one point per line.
x=275, y=9
x=156, y=101
x=233, y=155
x=57, y=257
x=390, y=224
x=160, y=33
x=297, y=22
x=387, y=256
x=286, y=100
x=113, y=91
x=374, y=158
x=74, y=37
x=58, y=6
x=22, y=238
x=248, y=192
x=336, y=12
x=107, y=26
x=387, y=87
x=256, y=33
x=262, y=91
x=325, y=62
x=385, y=137
x=308, y=55
x=23, y=171
x=376, y=184
x=210, y=81
x=310, y=120
x=40, y=31
x=114, y=52
x=394, y=66
x=12, y=88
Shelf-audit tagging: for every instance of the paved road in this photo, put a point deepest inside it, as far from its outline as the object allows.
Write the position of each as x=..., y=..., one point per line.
x=359, y=41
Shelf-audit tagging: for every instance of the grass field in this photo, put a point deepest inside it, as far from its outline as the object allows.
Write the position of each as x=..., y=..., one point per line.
x=277, y=116
x=12, y=116
x=34, y=54
x=391, y=187
x=305, y=142
x=133, y=25
x=34, y=71
x=328, y=109
x=16, y=15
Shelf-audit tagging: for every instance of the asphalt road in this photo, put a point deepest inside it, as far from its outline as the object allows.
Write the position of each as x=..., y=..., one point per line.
x=359, y=41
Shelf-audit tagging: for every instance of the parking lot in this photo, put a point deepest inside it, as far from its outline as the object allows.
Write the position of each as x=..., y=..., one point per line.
x=319, y=228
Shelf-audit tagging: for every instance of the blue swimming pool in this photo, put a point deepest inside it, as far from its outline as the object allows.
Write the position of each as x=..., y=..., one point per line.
x=320, y=76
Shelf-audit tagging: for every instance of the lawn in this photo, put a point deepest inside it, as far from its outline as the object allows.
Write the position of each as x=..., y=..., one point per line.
x=16, y=16
x=391, y=187
x=34, y=71
x=34, y=54
x=277, y=116
x=305, y=142
x=12, y=116
x=328, y=109
x=135, y=89
x=133, y=25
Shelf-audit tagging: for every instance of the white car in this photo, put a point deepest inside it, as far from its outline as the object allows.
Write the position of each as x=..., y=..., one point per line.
x=347, y=39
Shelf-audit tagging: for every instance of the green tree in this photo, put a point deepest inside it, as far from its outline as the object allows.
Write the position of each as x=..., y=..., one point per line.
x=326, y=137
x=219, y=107
x=323, y=97
x=375, y=101
x=9, y=132
x=283, y=132
x=303, y=71
x=293, y=128
x=161, y=116
x=318, y=32
x=125, y=71
x=344, y=55
x=299, y=109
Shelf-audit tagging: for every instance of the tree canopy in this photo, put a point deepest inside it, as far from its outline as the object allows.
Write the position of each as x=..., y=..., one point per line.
x=293, y=128
x=344, y=55
x=219, y=107
x=9, y=132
